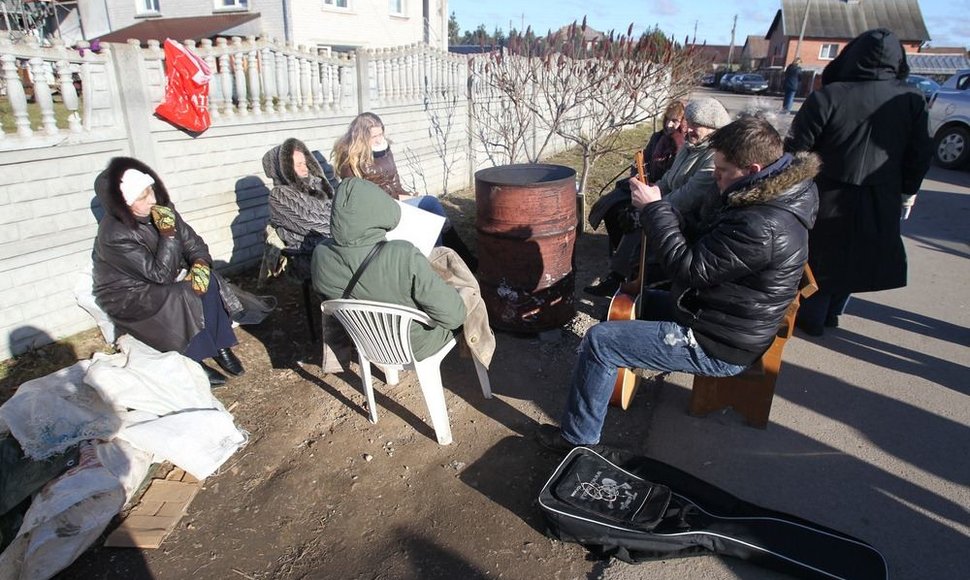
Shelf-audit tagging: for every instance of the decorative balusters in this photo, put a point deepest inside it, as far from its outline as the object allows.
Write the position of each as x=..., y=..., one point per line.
x=414, y=72
x=282, y=82
x=347, y=82
x=306, y=101
x=216, y=99
x=68, y=95
x=252, y=76
x=239, y=75
x=316, y=84
x=225, y=76
x=379, y=65
x=328, y=87
x=16, y=95
x=42, y=93
x=267, y=72
x=399, y=87
x=293, y=103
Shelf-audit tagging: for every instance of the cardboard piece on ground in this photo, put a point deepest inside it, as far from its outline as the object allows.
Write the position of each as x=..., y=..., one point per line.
x=156, y=515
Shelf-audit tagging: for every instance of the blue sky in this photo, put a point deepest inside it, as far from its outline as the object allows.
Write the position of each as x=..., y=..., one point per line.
x=948, y=21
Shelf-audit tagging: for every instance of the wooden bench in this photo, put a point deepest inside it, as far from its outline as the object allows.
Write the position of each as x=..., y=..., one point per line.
x=751, y=392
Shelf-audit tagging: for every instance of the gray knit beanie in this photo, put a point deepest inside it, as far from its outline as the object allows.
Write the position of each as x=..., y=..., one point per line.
x=707, y=112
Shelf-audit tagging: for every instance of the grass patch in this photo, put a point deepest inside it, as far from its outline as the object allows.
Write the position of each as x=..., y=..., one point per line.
x=61, y=114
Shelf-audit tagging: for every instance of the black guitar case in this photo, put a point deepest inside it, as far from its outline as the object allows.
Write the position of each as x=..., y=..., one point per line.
x=638, y=509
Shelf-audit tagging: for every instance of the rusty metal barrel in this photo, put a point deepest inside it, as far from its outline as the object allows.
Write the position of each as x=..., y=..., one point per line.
x=526, y=223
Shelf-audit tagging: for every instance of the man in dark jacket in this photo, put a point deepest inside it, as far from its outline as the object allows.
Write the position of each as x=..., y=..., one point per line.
x=730, y=288
x=792, y=75
x=870, y=130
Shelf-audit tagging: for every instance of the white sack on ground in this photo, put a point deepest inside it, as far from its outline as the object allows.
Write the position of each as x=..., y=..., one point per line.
x=65, y=517
x=52, y=413
x=140, y=377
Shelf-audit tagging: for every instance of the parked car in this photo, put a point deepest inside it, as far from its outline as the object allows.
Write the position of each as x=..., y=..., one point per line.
x=949, y=126
x=725, y=83
x=927, y=86
x=708, y=80
x=750, y=83
x=959, y=81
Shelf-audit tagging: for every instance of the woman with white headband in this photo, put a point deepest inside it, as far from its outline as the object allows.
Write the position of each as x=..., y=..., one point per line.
x=152, y=271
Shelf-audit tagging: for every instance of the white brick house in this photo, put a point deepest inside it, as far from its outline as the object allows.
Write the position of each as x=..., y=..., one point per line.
x=340, y=24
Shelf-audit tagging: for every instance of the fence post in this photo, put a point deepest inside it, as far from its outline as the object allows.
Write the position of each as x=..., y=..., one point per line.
x=363, y=81
x=136, y=105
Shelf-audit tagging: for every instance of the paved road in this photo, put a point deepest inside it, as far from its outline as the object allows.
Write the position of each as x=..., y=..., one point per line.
x=869, y=428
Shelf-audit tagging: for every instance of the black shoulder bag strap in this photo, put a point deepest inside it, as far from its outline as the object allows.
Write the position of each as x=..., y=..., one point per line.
x=363, y=266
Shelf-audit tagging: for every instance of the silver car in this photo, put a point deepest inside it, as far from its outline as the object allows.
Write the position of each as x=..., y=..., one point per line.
x=950, y=127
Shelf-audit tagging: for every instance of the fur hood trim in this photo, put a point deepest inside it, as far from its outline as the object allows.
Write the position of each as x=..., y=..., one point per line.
x=107, y=186
x=278, y=166
x=804, y=167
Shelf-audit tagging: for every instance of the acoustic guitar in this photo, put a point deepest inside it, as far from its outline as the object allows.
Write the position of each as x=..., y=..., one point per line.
x=623, y=306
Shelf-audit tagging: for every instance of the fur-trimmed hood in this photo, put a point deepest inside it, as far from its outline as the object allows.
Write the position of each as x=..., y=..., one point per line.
x=107, y=186
x=278, y=166
x=784, y=188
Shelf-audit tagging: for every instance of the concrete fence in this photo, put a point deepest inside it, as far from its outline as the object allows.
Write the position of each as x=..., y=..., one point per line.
x=72, y=110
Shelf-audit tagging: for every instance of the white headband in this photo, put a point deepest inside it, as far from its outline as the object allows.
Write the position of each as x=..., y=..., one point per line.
x=133, y=184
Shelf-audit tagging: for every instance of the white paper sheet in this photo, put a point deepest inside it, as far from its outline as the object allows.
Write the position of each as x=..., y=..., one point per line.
x=419, y=227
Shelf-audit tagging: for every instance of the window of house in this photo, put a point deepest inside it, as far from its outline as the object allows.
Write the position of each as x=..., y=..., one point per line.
x=147, y=6
x=828, y=51
x=396, y=7
x=232, y=4
x=336, y=3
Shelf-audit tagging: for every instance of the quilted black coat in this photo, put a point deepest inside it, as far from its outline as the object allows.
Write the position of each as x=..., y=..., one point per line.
x=136, y=268
x=733, y=284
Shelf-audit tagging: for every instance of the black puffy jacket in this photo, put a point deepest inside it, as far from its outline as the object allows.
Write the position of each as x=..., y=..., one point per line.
x=733, y=285
x=136, y=268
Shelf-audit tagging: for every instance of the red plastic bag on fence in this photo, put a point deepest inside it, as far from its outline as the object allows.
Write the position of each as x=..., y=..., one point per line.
x=186, y=102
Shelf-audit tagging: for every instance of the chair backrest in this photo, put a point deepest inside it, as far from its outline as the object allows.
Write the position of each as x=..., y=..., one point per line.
x=381, y=330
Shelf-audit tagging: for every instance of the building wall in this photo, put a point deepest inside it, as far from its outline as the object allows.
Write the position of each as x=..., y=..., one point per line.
x=782, y=50
x=367, y=23
x=364, y=23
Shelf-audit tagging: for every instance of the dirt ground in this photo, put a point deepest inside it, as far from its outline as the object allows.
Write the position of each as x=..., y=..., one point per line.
x=320, y=492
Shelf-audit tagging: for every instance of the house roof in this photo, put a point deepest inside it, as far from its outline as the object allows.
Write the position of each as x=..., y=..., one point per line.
x=714, y=53
x=178, y=28
x=936, y=64
x=850, y=18
x=755, y=47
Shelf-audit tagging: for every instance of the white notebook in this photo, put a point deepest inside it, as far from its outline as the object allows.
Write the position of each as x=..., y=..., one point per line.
x=419, y=227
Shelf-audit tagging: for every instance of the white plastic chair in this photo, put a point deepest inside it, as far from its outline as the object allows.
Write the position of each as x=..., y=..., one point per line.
x=381, y=333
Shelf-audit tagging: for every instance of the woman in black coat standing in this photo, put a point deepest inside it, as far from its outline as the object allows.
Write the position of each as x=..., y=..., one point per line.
x=870, y=130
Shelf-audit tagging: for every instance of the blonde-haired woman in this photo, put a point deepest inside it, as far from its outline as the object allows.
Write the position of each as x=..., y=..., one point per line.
x=364, y=151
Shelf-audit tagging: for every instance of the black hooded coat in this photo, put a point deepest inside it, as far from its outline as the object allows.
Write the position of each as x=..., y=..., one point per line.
x=299, y=209
x=136, y=268
x=870, y=130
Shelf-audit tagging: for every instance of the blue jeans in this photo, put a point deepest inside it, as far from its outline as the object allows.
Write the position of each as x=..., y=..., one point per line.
x=637, y=344
x=789, y=100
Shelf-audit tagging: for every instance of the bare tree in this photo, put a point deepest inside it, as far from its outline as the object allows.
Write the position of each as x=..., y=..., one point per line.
x=577, y=87
x=442, y=117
